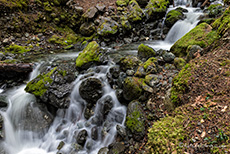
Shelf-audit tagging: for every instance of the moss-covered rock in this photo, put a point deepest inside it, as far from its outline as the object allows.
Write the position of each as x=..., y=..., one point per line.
x=145, y=52
x=87, y=28
x=150, y=66
x=90, y=13
x=17, y=49
x=129, y=62
x=89, y=55
x=180, y=84
x=172, y=17
x=222, y=24
x=201, y=35
x=122, y=2
x=135, y=120
x=165, y=133
x=107, y=28
x=40, y=84
x=132, y=88
x=179, y=63
x=156, y=9
x=125, y=23
x=15, y=4
x=135, y=12
x=215, y=10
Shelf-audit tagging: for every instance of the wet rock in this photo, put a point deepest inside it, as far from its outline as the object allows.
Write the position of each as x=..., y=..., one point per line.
x=179, y=63
x=90, y=13
x=107, y=104
x=101, y=7
x=127, y=40
x=107, y=27
x=116, y=148
x=193, y=51
x=173, y=16
x=91, y=90
x=135, y=120
x=36, y=118
x=152, y=80
x=3, y=101
x=168, y=57
x=145, y=52
x=140, y=72
x=82, y=137
x=132, y=88
x=1, y=127
x=114, y=71
x=104, y=150
x=129, y=62
x=136, y=14
x=94, y=133
x=87, y=28
x=121, y=131
x=151, y=66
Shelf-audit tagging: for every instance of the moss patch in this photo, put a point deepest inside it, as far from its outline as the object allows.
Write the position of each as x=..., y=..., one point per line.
x=172, y=17
x=145, y=51
x=38, y=86
x=201, y=35
x=91, y=53
x=156, y=9
x=17, y=49
x=136, y=13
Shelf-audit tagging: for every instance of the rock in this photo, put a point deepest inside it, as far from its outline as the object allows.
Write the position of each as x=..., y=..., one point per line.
x=79, y=10
x=132, y=88
x=36, y=117
x=136, y=14
x=114, y=71
x=169, y=105
x=101, y=7
x=89, y=56
x=122, y=3
x=215, y=10
x=1, y=127
x=2, y=56
x=116, y=148
x=54, y=87
x=135, y=120
x=90, y=13
x=156, y=9
x=179, y=63
x=6, y=41
x=87, y=28
x=127, y=40
x=69, y=47
x=107, y=27
x=3, y=101
x=91, y=90
x=193, y=51
x=173, y=16
x=121, y=131
x=94, y=133
x=152, y=80
x=104, y=150
x=82, y=137
x=168, y=57
x=140, y=72
x=129, y=62
x=125, y=24
x=142, y=3
x=145, y=52
x=151, y=66
x=201, y=35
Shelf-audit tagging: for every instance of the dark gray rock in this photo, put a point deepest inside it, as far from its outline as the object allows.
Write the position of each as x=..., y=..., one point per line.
x=90, y=13
x=116, y=148
x=193, y=51
x=87, y=28
x=82, y=137
x=169, y=57
x=91, y=90
x=104, y=150
x=101, y=7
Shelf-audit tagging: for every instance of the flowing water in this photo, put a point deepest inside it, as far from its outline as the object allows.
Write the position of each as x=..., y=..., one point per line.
x=71, y=121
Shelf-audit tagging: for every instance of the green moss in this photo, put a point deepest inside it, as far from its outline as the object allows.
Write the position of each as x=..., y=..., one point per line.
x=17, y=49
x=135, y=12
x=201, y=35
x=180, y=84
x=165, y=133
x=133, y=123
x=15, y=4
x=38, y=86
x=132, y=88
x=107, y=29
x=222, y=24
x=145, y=51
x=156, y=9
x=125, y=23
x=151, y=61
x=91, y=53
x=179, y=63
x=122, y=2
x=63, y=40
x=215, y=10
x=129, y=62
x=172, y=17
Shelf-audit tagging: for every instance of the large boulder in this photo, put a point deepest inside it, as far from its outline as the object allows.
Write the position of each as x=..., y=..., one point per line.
x=91, y=90
x=145, y=52
x=135, y=12
x=107, y=27
x=129, y=62
x=89, y=56
x=54, y=87
x=135, y=120
x=201, y=35
x=87, y=28
x=172, y=17
x=132, y=88
x=156, y=9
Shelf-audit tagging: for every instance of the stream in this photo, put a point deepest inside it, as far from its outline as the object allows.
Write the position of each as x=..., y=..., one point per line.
x=71, y=121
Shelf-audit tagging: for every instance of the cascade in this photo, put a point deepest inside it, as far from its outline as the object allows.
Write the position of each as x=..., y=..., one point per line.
x=71, y=121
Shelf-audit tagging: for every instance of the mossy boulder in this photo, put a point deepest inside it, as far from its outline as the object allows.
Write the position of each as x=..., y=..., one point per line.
x=165, y=133
x=135, y=12
x=132, y=88
x=107, y=27
x=201, y=35
x=156, y=9
x=17, y=49
x=145, y=52
x=150, y=66
x=87, y=28
x=122, y=2
x=135, y=120
x=90, y=55
x=129, y=62
x=222, y=24
x=179, y=63
x=180, y=84
x=172, y=17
